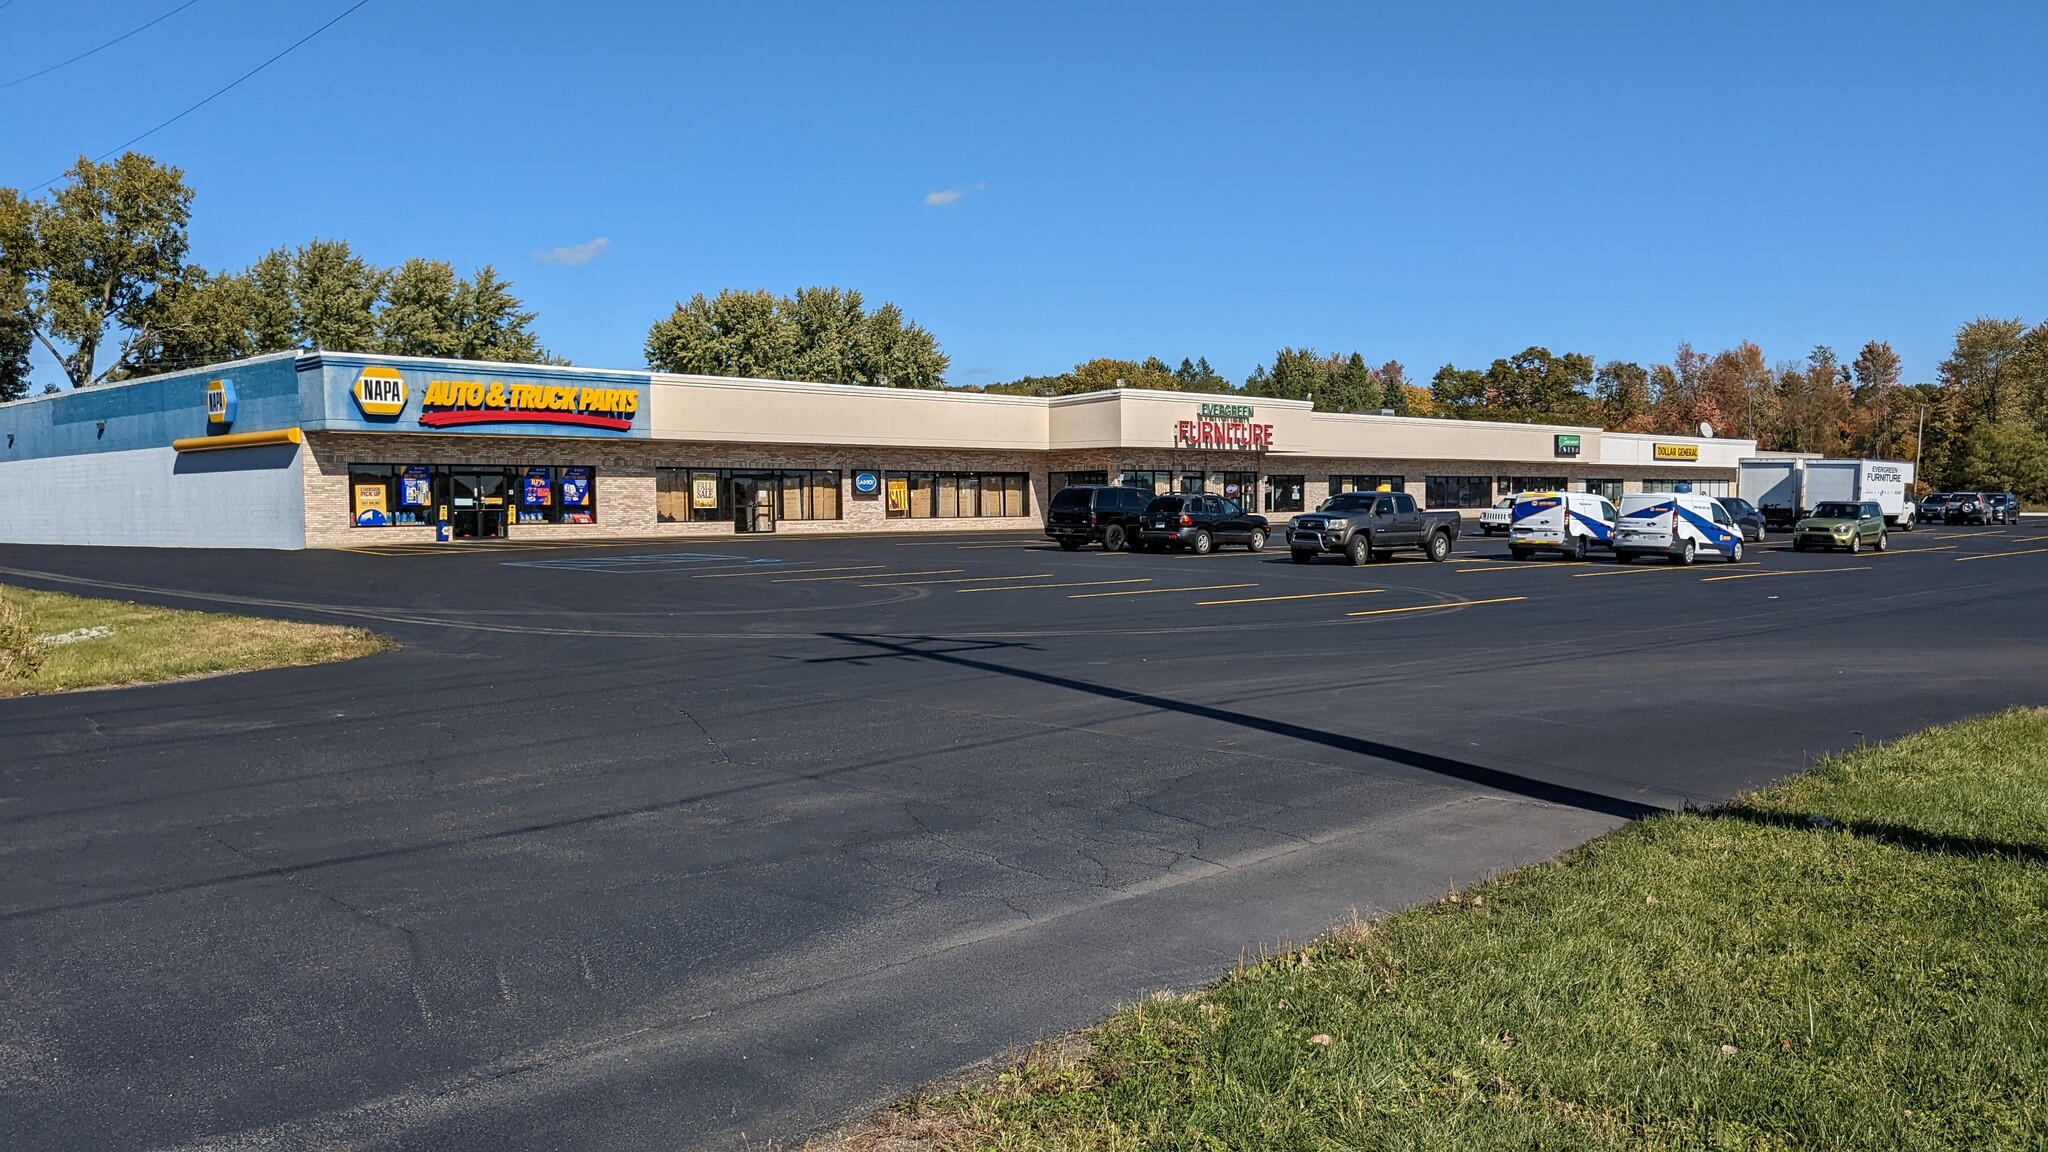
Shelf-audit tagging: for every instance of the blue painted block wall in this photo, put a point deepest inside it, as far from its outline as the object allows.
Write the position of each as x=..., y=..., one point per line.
x=149, y=413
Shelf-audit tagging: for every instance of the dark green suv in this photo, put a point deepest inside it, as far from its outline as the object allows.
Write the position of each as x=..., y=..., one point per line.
x=1841, y=525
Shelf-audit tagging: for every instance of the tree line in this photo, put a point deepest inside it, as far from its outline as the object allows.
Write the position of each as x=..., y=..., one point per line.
x=97, y=276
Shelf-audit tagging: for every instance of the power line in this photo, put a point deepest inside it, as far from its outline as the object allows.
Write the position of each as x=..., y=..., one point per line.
x=222, y=91
x=101, y=48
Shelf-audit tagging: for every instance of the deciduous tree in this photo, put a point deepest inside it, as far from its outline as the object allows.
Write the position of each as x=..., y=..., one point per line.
x=91, y=258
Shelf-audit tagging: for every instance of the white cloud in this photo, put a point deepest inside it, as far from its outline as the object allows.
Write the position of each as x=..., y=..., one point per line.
x=941, y=197
x=574, y=253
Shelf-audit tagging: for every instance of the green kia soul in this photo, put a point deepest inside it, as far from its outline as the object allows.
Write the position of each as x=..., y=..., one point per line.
x=1841, y=525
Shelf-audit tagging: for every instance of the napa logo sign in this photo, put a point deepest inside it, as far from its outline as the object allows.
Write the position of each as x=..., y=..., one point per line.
x=380, y=392
x=221, y=402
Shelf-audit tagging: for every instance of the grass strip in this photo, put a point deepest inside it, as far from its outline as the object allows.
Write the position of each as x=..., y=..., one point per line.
x=141, y=643
x=1855, y=959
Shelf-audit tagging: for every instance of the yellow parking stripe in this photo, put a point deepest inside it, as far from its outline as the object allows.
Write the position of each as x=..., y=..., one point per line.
x=1074, y=584
x=1995, y=555
x=1154, y=591
x=867, y=576
x=1220, y=554
x=1909, y=551
x=1807, y=572
x=1293, y=596
x=774, y=571
x=1964, y=535
x=960, y=580
x=1435, y=607
x=1657, y=568
x=1524, y=566
x=2024, y=539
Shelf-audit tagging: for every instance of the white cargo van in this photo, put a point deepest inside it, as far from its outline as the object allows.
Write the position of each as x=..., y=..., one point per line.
x=1573, y=523
x=1681, y=525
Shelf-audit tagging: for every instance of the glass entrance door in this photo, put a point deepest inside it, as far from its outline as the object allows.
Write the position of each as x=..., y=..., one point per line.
x=753, y=502
x=477, y=503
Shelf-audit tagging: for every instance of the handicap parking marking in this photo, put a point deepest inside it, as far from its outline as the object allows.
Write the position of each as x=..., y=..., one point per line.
x=960, y=580
x=1627, y=571
x=1069, y=584
x=657, y=562
x=1796, y=572
x=1998, y=555
x=866, y=576
x=1156, y=591
x=1435, y=607
x=1288, y=596
x=807, y=571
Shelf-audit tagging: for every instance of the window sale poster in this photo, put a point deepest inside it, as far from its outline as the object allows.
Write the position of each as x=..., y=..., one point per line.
x=415, y=488
x=575, y=487
x=536, y=488
x=703, y=491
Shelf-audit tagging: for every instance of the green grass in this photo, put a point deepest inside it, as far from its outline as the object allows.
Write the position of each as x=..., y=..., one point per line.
x=1744, y=978
x=152, y=644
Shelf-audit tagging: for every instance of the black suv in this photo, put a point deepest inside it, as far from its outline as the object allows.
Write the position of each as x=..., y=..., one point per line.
x=2005, y=507
x=1102, y=513
x=1200, y=524
x=1931, y=509
x=1968, y=508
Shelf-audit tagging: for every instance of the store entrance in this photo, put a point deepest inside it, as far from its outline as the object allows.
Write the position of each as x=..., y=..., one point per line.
x=477, y=504
x=753, y=502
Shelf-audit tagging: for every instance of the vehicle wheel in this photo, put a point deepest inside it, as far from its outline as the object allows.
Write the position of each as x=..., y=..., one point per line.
x=1204, y=543
x=1258, y=541
x=1799, y=545
x=1438, y=548
x=1735, y=553
x=1518, y=553
x=1356, y=551
x=1578, y=551
x=1113, y=538
x=1882, y=541
x=1689, y=553
x=1484, y=530
x=1906, y=525
x=1070, y=544
x=1855, y=543
x=1301, y=557
x=1624, y=557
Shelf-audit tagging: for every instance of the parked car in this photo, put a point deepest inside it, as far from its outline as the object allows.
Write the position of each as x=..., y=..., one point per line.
x=1932, y=507
x=1371, y=526
x=1745, y=516
x=1498, y=518
x=1841, y=525
x=1968, y=508
x=1200, y=524
x=2005, y=507
x=1096, y=513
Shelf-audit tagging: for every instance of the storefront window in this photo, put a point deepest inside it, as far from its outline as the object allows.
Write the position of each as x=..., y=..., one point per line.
x=958, y=495
x=1509, y=485
x=1069, y=479
x=1284, y=493
x=1610, y=489
x=705, y=495
x=1339, y=484
x=1703, y=487
x=1242, y=487
x=1159, y=482
x=477, y=499
x=1458, y=491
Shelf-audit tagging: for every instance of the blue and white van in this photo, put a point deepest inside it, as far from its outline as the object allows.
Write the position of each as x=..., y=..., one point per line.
x=1573, y=523
x=1680, y=525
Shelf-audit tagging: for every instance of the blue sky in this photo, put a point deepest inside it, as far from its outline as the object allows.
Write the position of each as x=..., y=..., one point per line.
x=1430, y=183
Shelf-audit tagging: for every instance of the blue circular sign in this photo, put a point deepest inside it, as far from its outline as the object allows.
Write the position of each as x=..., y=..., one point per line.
x=866, y=483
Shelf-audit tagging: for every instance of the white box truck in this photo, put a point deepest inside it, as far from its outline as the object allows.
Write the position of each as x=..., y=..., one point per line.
x=1786, y=489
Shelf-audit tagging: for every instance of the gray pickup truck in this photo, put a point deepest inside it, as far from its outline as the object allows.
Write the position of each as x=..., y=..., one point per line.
x=1371, y=526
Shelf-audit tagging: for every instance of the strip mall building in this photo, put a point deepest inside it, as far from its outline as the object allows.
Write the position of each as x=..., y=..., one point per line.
x=322, y=449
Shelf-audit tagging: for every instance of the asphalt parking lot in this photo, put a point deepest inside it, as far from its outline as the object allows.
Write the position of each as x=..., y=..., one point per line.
x=700, y=843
